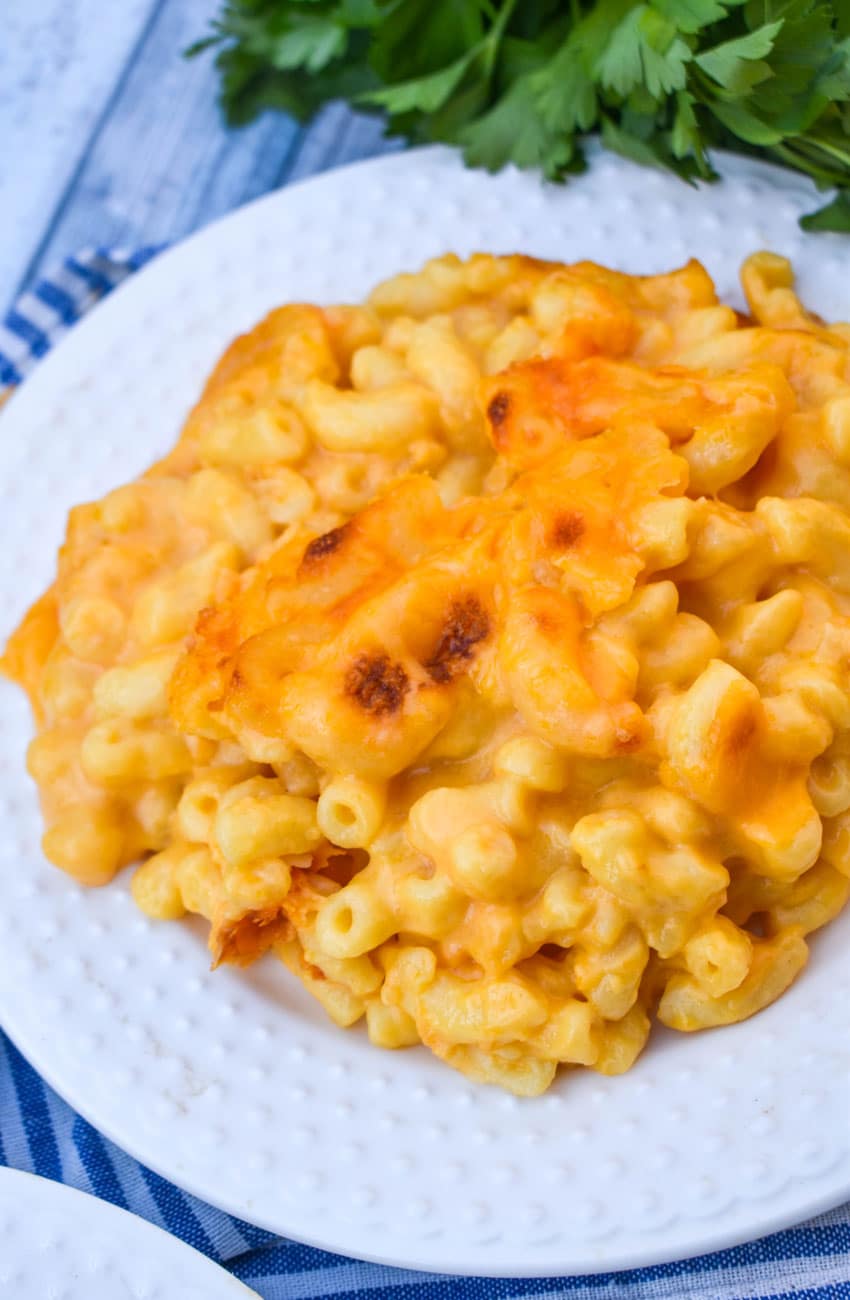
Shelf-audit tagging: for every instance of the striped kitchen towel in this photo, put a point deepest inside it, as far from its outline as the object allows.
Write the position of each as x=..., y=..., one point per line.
x=40, y=1133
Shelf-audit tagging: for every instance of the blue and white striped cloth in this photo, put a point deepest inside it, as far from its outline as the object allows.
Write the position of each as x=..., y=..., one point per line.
x=40, y=1133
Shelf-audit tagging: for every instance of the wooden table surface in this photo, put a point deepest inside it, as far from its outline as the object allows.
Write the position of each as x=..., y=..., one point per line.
x=109, y=137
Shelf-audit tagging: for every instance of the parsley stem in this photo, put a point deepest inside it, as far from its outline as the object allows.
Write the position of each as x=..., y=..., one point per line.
x=816, y=142
x=496, y=33
x=805, y=154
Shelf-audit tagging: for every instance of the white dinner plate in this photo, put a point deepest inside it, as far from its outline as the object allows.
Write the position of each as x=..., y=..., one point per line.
x=56, y=1241
x=234, y=1084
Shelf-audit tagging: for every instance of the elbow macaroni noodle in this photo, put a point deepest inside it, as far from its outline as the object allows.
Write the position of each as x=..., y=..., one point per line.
x=484, y=653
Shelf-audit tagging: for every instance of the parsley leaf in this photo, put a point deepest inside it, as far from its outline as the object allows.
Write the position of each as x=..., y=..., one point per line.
x=422, y=94
x=310, y=42
x=644, y=49
x=512, y=129
x=727, y=63
x=690, y=16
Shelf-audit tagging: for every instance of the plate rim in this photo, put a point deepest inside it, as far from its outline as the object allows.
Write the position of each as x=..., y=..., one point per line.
x=768, y=1222
x=143, y=1229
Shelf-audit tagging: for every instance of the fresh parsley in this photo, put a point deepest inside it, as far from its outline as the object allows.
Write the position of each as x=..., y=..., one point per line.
x=523, y=81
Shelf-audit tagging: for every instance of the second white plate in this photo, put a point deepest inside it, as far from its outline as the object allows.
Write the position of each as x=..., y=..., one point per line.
x=234, y=1085
x=56, y=1241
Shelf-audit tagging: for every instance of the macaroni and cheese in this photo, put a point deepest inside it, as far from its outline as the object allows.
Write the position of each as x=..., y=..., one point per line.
x=483, y=652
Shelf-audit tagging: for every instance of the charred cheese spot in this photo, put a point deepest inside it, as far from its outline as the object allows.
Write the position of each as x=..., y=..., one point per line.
x=497, y=411
x=466, y=625
x=377, y=684
x=567, y=529
x=325, y=544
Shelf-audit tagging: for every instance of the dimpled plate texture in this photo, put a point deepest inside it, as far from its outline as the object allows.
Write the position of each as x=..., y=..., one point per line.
x=60, y=1244
x=234, y=1085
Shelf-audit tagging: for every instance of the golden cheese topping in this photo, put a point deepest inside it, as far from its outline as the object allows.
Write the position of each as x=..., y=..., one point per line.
x=484, y=653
